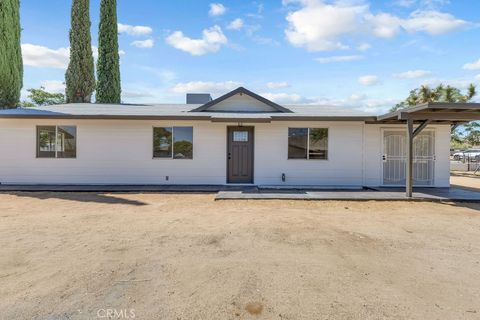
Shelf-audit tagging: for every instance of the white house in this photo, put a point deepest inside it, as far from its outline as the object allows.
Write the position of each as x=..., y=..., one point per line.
x=239, y=138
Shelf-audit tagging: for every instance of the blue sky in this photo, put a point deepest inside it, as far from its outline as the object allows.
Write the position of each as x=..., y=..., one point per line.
x=354, y=53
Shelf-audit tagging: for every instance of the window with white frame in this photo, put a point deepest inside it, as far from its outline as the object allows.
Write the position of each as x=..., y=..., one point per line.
x=173, y=142
x=308, y=143
x=56, y=142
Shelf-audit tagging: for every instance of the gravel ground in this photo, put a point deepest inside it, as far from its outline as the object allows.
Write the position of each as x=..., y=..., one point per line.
x=167, y=256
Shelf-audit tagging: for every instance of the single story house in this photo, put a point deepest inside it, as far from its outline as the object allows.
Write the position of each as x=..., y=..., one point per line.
x=238, y=138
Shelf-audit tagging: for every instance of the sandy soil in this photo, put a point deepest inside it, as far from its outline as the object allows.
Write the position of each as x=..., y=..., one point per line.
x=81, y=255
x=465, y=180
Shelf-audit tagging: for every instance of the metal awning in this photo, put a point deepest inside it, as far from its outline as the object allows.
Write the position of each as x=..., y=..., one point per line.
x=436, y=112
x=424, y=114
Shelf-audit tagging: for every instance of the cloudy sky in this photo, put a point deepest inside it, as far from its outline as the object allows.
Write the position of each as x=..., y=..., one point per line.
x=356, y=53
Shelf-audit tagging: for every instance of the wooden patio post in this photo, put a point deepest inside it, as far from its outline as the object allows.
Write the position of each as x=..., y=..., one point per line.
x=409, y=173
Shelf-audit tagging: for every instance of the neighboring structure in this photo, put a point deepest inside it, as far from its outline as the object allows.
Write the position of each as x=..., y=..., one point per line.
x=238, y=138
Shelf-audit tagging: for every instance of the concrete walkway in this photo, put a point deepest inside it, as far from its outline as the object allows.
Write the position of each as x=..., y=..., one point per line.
x=383, y=194
x=239, y=192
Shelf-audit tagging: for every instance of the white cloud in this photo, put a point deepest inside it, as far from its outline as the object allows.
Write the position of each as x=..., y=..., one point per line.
x=377, y=106
x=317, y=26
x=40, y=56
x=432, y=22
x=214, y=88
x=259, y=12
x=265, y=41
x=134, y=30
x=477, y=77
x=286, y=98
x=364, y=47
x=405, y=3
x=236, y=24
x=216, y=9
x=278, y=85
x=338, y=58
x=429, y=4
x=43, y=57
x=384, y=25
x=321, y=26
x=360, y=102
x=53, y=86
x=131, y=94
x=144, y=44
x=211, y=41
x=472, y=66
x=95, y=53
x=412, y=74
x=369, y=80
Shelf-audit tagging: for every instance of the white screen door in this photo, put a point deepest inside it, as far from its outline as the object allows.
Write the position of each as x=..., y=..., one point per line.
x=395, y=158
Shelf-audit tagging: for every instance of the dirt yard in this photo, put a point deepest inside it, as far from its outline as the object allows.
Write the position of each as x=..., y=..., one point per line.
x=465, y=180
x=153, y=256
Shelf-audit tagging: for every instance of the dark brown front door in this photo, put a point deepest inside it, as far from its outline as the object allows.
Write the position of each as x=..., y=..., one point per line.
x=240, y=155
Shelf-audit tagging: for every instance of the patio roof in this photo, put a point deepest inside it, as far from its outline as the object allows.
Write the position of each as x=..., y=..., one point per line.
x=435, y=112
x=424, y=114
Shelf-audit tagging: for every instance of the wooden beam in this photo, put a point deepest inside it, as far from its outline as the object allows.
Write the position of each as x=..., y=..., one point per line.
x=453, y=116
x=454, y=105
x=421, y=127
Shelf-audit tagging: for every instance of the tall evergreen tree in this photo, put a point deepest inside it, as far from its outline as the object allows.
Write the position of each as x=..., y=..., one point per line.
x=11, y=64
x=80, y=75
x=108, y=65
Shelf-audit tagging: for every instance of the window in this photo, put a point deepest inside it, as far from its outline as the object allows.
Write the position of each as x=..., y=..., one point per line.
x=56, y=142
x=308, y=143
x=173, y=142
x=240, y=136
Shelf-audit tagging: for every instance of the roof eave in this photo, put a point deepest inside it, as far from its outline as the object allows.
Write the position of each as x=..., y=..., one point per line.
x=190, y=117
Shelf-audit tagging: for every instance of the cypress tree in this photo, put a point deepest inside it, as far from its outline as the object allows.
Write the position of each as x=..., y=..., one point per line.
x=108, y=64
x=11, y=64
x=80, y=75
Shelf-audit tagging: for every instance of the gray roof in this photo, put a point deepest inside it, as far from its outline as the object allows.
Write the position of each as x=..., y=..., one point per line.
x=182, y=111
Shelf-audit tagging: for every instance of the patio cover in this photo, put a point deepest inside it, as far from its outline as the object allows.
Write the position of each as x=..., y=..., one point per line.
x=424, y=114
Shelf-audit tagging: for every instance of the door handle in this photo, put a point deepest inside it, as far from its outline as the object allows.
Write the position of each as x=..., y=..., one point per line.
x=384, y=158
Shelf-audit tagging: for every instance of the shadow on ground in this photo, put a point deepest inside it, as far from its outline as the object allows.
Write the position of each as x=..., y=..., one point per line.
x=95, y=197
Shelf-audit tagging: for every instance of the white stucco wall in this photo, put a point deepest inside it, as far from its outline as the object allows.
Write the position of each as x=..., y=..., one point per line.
x=120, y=152
x=111, y=152
x=343, y=167
x=374, y=152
